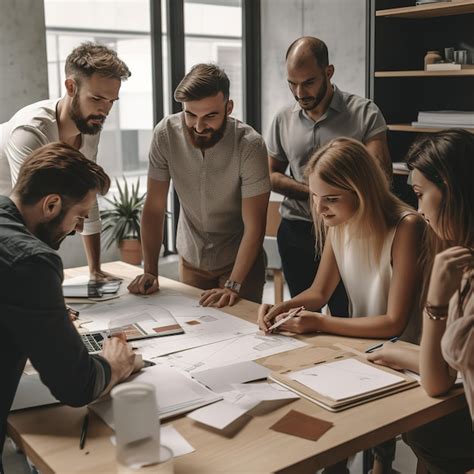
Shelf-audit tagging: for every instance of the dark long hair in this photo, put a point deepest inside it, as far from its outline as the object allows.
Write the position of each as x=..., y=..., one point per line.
x=446, y=159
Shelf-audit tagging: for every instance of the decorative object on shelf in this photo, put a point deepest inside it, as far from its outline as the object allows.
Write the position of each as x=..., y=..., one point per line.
x=449, y=55
x=460, y=56
x=121, y=222
x=432, y=57
x=424, y=2
x=448, y=67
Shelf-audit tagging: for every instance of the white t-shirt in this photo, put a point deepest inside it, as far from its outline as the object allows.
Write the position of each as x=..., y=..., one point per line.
x=30, y=128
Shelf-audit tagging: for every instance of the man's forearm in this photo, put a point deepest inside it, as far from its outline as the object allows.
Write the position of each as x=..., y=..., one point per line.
x=152, y=238
x=289, y=187
x=92, y=248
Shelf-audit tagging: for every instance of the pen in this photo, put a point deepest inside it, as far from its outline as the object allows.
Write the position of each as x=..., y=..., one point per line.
x=290, y=315
x=378, y=346
x=85, y=424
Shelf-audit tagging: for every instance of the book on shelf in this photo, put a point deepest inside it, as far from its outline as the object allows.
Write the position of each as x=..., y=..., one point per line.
x=457, y=118
x=439, y=125
x=342, y=381
x=448, y=67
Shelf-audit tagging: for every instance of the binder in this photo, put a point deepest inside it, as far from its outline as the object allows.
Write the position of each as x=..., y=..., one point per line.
x=371, y=381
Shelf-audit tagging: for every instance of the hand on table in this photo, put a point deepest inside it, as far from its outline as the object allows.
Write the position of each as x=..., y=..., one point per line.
x=102, y=276
x=219, y=297
x=144, y=284
x=304, y=322
x=388, y=355
x=122, y=359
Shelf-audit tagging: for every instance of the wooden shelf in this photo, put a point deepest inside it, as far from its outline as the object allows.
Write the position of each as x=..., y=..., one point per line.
x=421, y=73
x=404, y=127
x=430, y=11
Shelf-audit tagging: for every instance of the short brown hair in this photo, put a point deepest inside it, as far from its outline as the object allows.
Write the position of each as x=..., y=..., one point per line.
x=204, y=80
x=316, y=46
x=89, y=58
x=58, y=168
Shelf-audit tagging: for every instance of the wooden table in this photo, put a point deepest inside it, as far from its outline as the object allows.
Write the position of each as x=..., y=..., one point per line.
x=49, y=436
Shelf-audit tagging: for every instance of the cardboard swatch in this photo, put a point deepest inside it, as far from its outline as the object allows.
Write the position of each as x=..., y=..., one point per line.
x=304, y=426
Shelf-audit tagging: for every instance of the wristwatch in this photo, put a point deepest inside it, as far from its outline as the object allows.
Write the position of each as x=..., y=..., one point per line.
x=233, y=285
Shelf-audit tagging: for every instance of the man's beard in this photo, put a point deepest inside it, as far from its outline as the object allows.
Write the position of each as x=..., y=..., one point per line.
x=82, y=122
x=49, y=232
x=315, y=100
x=205, y=142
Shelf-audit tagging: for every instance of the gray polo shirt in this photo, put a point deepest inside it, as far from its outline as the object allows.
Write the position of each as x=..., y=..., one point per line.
x=294, y=137
x=210, y=186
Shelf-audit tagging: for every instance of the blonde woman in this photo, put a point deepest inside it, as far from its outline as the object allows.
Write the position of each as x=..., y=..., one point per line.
x=372, y=242
x=442, y=165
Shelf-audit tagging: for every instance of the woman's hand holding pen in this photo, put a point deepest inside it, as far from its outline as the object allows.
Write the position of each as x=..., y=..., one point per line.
x=267, y=313
x=303, y=322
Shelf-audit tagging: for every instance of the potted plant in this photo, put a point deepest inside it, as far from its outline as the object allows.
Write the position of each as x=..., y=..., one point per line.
x=121, y=222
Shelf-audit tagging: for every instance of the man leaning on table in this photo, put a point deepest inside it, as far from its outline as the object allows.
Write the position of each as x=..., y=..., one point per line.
x=54, y=193
x=94, y=74
x=219, y=170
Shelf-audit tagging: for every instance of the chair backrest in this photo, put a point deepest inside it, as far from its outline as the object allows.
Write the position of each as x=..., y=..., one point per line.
x=273, y=218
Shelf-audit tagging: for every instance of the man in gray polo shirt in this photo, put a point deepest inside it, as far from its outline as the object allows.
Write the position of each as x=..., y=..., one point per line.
x=322, y=112
x=219, y=170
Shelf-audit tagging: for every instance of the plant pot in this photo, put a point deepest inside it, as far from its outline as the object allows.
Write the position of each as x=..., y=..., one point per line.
x=131, y=251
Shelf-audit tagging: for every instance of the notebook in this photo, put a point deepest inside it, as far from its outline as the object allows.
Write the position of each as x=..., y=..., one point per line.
x=342, y=381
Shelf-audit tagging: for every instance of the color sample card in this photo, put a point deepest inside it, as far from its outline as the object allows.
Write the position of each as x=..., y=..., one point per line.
x=304, y=426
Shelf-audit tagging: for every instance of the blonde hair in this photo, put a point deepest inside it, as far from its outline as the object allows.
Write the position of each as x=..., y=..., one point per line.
x=346, y=164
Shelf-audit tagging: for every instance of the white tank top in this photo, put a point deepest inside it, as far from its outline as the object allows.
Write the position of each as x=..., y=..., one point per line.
x=367, y=283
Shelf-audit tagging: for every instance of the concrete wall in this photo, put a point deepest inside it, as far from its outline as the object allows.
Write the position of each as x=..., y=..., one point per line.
x=341, y=24
x=23, y=65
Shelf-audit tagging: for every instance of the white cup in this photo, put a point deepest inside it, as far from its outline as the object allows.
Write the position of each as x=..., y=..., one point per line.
x=137, y=425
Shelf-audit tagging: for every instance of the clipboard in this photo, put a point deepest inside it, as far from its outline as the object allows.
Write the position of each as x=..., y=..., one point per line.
x=286, y=379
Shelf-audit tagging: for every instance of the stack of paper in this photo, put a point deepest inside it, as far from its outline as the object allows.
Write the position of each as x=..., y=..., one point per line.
x=175, y=394
x=445, y=119
x=343, y=381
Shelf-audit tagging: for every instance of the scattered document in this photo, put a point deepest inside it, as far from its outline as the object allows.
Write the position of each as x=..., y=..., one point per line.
x=231, y=351
x=175, y=393
x=344, y=379
x=220, y=379
x=172, y=439
x=244, y=399
x=201, y=325
x=220, y=415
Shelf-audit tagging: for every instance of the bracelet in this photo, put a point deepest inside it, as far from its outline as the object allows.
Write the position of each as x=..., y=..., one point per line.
x=437, y=313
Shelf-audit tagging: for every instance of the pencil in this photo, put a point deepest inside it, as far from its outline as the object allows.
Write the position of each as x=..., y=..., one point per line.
x=85, y=425
x=378, y=346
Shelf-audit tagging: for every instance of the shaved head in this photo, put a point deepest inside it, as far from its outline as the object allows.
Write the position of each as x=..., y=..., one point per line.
x=307, y=49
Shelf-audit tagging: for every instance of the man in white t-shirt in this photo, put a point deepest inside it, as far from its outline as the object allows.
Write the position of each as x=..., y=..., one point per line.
x=94, y=74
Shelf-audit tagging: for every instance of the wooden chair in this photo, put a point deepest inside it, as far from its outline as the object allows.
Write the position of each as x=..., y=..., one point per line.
x=271, y=249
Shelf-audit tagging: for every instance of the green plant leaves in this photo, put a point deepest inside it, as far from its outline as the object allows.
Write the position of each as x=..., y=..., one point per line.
x=122, y=220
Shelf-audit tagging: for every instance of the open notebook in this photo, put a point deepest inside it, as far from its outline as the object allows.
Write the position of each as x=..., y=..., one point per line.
x=343, y=381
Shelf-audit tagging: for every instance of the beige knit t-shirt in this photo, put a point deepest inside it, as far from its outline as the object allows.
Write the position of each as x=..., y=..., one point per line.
x=210, y=186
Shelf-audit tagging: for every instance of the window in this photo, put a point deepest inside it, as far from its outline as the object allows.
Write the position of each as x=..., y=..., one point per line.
x=123, y=25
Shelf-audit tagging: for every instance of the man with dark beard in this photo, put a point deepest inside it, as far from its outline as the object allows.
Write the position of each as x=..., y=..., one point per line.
x=219, y=170
x=322, y=112
x=94, y=75
x=54, y=192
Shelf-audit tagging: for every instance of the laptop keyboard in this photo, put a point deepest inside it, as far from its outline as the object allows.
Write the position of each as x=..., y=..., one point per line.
x=93, y=342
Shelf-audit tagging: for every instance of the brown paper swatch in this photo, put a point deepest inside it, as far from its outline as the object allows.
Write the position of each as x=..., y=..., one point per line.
x=304, y=426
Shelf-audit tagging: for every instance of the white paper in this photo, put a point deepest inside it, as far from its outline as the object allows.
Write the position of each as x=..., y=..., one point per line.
x=172, y=439
x=175, y=393
x=218, y=415
x=265, y=391
x=231, y=351
x=344, y=379
x=201, y=325
x=220, y=379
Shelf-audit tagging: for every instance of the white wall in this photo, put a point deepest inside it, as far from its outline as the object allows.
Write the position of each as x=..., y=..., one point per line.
x=341, y=24
x=23, y=66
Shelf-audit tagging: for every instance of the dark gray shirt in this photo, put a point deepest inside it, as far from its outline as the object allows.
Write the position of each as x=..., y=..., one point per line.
x=294, y=137
x=34, y=323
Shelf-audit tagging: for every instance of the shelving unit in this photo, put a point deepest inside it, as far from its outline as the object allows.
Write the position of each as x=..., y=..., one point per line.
x=400, y=36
